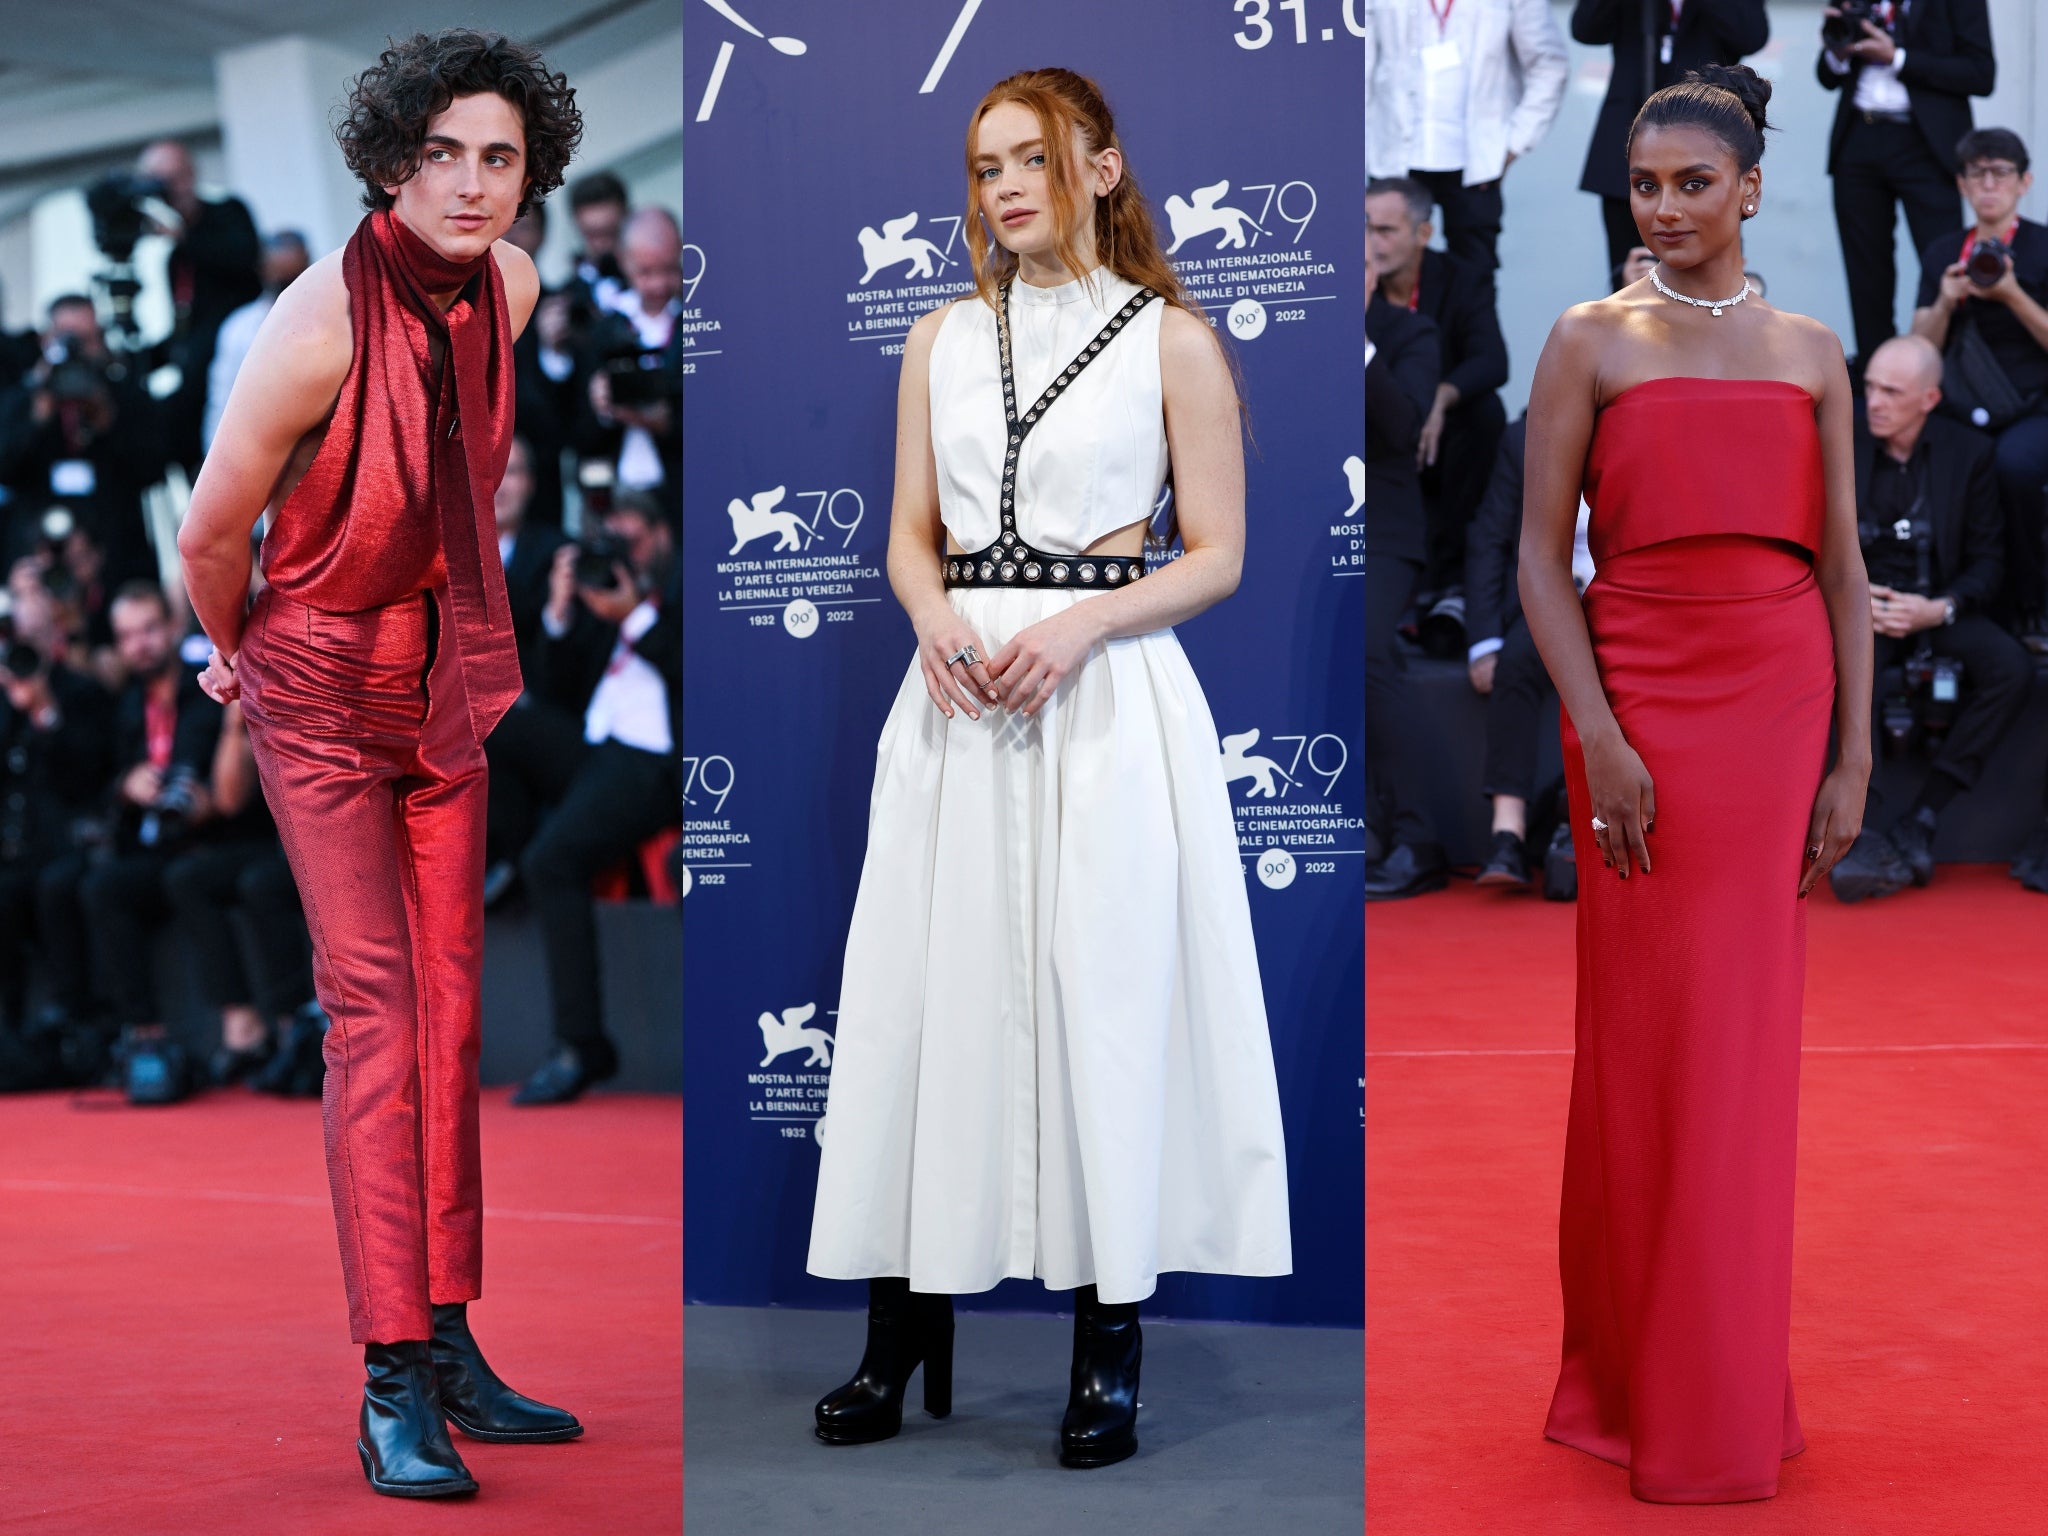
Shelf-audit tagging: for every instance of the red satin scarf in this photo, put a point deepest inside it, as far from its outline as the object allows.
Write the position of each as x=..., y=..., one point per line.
x=403, y=487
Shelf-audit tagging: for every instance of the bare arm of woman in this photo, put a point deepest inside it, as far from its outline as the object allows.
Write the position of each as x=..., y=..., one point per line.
x=916, y=537
x=286, y=387
x=1206, y=445
x=1563, y=399
x=1844, y=584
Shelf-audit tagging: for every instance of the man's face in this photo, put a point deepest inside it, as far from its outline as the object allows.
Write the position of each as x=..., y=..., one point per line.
x=170, y=163
x=599, y=224
x=1897, y=392
x=283, y=263
x=472, y=175
x=78, y=325
x=515, y=490
x=1391, y=233
x=142, y=636
x=1994, y=188
x=651, y=257
x=645, y=541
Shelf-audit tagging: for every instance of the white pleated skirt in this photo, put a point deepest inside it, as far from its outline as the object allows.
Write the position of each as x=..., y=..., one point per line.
x=1051, y=1053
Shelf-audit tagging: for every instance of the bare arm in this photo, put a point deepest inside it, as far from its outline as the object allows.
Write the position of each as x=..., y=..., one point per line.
x=286, y=387
x=1838, y=566
x=234, y=765
x=522, y=283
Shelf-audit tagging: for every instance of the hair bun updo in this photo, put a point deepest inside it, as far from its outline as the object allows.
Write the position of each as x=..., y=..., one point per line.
x=1727, y=100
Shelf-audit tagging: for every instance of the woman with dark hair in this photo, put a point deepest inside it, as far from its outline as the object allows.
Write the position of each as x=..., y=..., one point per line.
x=1710, y=435
x=373, y=417
x=1052, y=1057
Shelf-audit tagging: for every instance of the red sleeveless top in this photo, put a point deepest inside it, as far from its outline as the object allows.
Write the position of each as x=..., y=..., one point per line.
x=399, y=497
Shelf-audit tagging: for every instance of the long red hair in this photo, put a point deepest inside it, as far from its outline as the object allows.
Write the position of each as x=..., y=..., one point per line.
x=1126, y=238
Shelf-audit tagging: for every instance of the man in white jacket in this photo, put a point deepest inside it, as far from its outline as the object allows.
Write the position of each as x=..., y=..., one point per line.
x=1455, y=92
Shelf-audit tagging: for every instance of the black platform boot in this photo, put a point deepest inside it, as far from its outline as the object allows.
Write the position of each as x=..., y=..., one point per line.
x=1101, y=1422
x=905, y=1329
x=476, y=1401
x=404, y=1445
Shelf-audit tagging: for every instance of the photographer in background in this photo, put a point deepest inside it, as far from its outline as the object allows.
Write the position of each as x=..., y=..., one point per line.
x=1656, y=43
x=600, y=207
x=213, y=271
x=81, y=431
x=1461, y=433
x=1906, y=70
x=1984, y=303
x=1928, y=516
x=597, y=744
x=636, y=367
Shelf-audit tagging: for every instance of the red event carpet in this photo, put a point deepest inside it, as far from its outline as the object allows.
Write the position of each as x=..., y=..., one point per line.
x=1920, y=1286
x=176, y=1356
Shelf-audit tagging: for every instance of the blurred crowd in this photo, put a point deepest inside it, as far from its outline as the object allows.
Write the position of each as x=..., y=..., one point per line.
x=1951, y=431
x=132, y=825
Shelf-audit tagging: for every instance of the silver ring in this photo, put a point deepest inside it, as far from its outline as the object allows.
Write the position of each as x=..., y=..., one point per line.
x=966, y=653
x=1599, y=825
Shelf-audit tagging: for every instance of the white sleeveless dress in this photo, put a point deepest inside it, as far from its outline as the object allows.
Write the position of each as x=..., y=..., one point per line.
x=1051, y=1056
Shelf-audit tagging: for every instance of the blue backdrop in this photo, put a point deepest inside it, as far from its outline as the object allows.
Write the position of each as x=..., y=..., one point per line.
x=823, y=203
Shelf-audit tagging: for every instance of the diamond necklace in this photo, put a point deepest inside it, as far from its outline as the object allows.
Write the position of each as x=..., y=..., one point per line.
x=1716, y=305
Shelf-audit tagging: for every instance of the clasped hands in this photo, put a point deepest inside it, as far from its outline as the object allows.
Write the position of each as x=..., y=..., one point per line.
x=1020, y=677
x=1897, y=613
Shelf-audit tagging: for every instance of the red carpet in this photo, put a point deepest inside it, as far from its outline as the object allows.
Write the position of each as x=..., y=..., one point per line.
x=1920, y=1290
x=176, y=1356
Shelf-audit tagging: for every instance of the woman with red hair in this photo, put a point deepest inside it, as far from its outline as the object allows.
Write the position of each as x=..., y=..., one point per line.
x=1052, y=1058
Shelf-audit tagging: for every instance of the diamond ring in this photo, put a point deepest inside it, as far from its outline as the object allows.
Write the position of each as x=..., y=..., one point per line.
x=1599, y=825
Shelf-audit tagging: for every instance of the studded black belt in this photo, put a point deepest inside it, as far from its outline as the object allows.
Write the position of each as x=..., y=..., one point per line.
x=1009, y=561
x=1019, y=565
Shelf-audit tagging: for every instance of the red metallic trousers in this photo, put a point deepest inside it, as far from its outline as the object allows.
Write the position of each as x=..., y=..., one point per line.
x=362, y=738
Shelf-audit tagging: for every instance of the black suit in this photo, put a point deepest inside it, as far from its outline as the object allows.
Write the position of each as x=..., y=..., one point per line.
x=1708, y=32
x=1474, y=359
x=526, y=578
x=1877, y=164
x=1493, y=612
x=1951, y=468
x=1400, y=383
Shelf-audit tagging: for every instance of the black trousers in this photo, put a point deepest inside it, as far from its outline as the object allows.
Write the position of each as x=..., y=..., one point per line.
x=533, y=752
x=213, y=887
x=1997, y=676
x=1881, y=166
x=1514, y=714
x=124, y=902
x=17, y=922
x=1622, y=235
x=62, y=926
x=617, y=797
x=1453, y=487
x=2021, y=460
x=1470, y=215
x=1392, y=761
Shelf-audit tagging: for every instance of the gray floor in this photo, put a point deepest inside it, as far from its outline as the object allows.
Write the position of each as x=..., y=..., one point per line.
x=1240, y=1429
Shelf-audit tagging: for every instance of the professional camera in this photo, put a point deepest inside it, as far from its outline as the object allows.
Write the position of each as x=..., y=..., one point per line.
x=168, y=818
x=75, y=374
x=637, y=378
x=596, y=553
x=1925, y=703
x=119, y=215
x=155, y=1069
x=1987, y=262
x=1838, y=32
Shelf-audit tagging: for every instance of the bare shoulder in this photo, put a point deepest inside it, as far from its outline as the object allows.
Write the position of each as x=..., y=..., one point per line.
x=1580, y=338
x=1186, y=340
x=311, y=320
x=1812, y=352
x=522, y=282
x=924, y=331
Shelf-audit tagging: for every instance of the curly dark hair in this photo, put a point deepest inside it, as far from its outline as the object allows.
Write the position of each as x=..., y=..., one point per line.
x=384, y=130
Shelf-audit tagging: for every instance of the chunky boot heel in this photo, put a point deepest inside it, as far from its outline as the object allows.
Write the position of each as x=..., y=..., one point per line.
x=1101, y=1421
x=476, y=1401
x=905, y=1329
x=404, y=1443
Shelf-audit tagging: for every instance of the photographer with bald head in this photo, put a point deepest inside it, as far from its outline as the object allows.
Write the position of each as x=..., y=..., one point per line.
x=1927, y=512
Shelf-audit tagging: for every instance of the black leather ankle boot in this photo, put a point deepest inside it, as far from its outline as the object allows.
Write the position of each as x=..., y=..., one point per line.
x=476, y=1401
x=404, y=1442
x=1101, y=1422
x=905, y=1328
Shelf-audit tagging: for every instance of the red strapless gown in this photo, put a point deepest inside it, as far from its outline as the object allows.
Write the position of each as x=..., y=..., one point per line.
x=1675, y=1237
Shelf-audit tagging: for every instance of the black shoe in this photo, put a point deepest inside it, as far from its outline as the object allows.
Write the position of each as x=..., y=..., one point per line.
x=297, y=1068
x=1409, y=870
x=498, y=882
x=1913, y=840
x=229, y=1066
x=2030, y=865
x=906, y=1329
x=1101, y=1422
x=1508, y=864
x=1871, y=867
x=1560, y=867
x=405, y=1446
x=476, y=1401
x=562, y=1078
